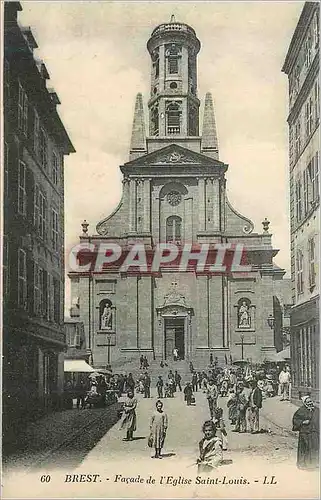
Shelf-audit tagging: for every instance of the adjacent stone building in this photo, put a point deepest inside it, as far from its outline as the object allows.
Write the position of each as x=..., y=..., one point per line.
x=35, y=142
x=174, y=190
x=302, y=68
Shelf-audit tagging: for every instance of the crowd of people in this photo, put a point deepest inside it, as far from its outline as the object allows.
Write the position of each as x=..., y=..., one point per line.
x=244, y=391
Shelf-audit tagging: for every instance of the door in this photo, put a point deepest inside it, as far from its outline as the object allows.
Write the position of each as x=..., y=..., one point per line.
x=169, y=341
x=174, y=337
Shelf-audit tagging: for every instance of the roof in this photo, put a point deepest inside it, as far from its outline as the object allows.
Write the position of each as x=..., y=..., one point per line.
x=298, y=35
x=173, y=155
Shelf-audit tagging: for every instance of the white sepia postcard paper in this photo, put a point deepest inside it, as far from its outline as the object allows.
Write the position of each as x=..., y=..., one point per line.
x=160, y=249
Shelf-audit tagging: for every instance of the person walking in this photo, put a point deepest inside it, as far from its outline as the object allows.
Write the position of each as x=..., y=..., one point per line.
x=80, y=393
x=147, y=382
x=255, y=404
x=159, y=386
x=188, y=394
x=232, y=404
x=194, y=382
x=130, y=383
x=242, y=405
x=141, y=361
x=199, y=380
x=284, y=381
x=158, y=429
x=306, y=422
x=128, y=421
x=177, y=379
x=175, y=354
x=145, y=363
x=211, y=395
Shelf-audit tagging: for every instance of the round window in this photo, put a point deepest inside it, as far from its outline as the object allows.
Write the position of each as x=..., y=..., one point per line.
x=174, y=198
x=173, y=85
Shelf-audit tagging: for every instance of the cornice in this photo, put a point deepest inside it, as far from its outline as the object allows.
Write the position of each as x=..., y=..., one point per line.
x=299, y=34
x=305, y=89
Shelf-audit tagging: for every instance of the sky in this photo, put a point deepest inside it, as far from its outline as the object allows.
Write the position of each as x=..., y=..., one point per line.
x=97, y=60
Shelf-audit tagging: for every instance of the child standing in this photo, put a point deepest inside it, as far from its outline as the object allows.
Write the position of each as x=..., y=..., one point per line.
x=158, y=428
x=167, y=392
x=210, y=448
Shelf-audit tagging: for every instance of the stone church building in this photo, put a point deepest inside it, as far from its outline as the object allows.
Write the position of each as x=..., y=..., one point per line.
x=174, y=190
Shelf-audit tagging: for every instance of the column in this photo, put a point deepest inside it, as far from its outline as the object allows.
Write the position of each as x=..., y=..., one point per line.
x=184, y=118
x=126, y=195
x=132, y=205
x=144, y=311
x=216, y=204
x=139, y=205
x=201, y=202
x=184, y=70
x=209, y=204
x=188, y=219
x=161, y=78
x=146, y=201
x=222, y=203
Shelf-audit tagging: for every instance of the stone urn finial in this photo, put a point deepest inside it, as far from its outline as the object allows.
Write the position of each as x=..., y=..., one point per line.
x=84, y=226
x=266, y=224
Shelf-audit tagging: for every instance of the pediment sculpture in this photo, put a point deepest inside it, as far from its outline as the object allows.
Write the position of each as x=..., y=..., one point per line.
x=174, y=297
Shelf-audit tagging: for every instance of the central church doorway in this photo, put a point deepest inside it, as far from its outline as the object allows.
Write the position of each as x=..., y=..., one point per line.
x=174, y=337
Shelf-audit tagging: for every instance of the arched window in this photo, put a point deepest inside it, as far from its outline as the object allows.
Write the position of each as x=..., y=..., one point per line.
x=244, y=313
x=174, y=229
x=173, y=53
x=106, y=315
x=155, y=59
x=173, y=118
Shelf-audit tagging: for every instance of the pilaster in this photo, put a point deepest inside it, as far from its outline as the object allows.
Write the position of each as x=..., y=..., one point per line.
x=201, y=203
x=132, y=205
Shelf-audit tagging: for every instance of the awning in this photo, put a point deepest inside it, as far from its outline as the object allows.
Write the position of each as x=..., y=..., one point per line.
x=77, y=366
x=276, y=357
x=283, y=355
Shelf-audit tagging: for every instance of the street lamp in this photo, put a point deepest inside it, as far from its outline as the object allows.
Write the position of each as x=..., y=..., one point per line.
x=271, y=321
x=242, y=345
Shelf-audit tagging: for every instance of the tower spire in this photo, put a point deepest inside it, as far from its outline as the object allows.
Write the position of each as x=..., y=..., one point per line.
x=209, y=134
x=138, y=139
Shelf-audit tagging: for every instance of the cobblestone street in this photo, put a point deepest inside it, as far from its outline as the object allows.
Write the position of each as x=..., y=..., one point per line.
x=253, y=459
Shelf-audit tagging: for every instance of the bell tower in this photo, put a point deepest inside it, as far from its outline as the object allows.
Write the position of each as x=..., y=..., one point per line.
x=173, y=104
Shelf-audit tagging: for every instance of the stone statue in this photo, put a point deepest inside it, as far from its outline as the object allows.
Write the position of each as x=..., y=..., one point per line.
x=244, y=316
x=106, y=320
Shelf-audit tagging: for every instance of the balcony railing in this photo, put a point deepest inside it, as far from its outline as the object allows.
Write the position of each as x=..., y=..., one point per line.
x=173, y=130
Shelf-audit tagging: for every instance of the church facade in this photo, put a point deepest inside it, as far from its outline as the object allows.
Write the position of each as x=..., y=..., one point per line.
x=174, y=191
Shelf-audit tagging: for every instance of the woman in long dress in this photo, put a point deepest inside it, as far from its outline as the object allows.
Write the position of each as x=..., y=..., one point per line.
x=306, y=421
x=158, y=428
x=128, y=422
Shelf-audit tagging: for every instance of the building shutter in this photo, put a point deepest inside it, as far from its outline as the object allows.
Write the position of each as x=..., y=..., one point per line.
x=30, y=188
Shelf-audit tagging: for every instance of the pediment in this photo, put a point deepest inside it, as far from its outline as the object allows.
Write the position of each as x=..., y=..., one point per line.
x=174, y=155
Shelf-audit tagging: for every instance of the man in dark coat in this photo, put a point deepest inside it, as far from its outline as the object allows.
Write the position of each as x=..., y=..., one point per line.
x=194, y=381
x=146, y=382
x=188, y=394
x=306, y=421
x=255, y=404
x=178, y=379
